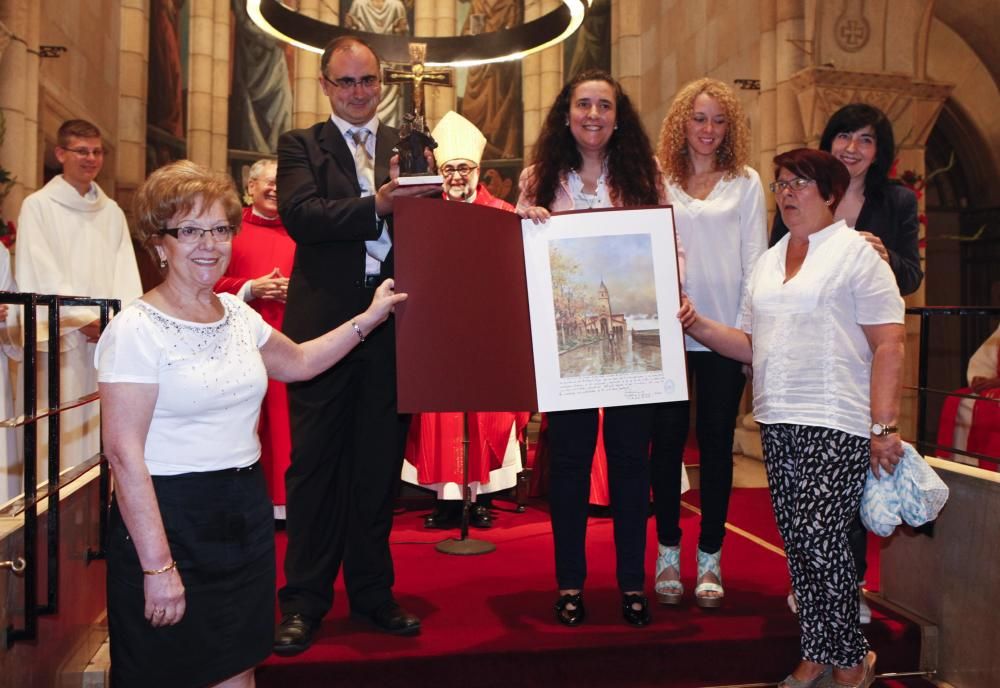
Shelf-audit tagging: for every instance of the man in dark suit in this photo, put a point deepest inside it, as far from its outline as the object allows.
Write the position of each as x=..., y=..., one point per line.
x=336, y=186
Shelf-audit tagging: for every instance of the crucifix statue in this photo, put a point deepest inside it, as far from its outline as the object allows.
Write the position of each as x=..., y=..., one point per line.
x=413, y=135
x=417, y=73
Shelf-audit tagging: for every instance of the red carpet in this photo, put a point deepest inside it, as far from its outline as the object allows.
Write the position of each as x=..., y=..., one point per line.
x=488, y=619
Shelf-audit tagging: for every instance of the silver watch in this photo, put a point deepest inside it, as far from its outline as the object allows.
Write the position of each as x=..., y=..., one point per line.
x=883, y=430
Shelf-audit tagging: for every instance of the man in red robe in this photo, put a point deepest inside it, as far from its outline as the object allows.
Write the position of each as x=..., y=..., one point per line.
x=434, y=446
x=258, y=272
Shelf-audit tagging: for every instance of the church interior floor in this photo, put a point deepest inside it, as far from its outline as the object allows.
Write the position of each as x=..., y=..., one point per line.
x=488, y=620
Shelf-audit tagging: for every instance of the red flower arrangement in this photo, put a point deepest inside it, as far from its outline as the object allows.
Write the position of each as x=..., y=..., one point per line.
x=8, y=230
x=912, y=181
x=8, y=233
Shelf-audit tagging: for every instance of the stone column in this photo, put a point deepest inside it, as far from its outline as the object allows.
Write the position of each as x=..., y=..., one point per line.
x=767, y=119
x=19, y=101
x=200, y=77
x=328, y=12
x=541, y=78
x=220, y=86
x=791, y=54
x=305, y=71
x=626, y=52
x=133, y=58
x=436, y=18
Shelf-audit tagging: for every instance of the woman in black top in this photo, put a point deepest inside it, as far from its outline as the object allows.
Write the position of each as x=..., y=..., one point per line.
x=885, y=213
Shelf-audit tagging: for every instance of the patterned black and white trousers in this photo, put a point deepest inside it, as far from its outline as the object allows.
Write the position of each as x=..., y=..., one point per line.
x=816, y=476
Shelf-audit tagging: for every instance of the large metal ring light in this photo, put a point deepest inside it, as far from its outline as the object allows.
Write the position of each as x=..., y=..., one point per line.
x=455, y=51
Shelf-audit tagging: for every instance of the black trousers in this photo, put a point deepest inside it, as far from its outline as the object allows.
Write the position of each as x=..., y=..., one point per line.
x=572, y=440
x=347, y=452
x=718, y=383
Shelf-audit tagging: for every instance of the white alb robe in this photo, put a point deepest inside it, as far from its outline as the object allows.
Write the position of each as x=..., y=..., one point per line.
x=10, y=350
x=73, y=245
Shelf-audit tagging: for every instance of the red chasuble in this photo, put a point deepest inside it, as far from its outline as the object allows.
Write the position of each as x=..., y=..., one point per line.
x=261, y=246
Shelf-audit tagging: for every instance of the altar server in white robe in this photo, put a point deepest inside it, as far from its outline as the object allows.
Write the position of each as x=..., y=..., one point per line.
x=74, y=241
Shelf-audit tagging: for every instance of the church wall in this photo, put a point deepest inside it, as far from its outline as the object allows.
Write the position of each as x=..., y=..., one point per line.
x=682, y=40
x=77, y=83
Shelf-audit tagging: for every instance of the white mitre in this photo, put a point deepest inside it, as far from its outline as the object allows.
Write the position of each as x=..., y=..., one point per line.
x=456, y=138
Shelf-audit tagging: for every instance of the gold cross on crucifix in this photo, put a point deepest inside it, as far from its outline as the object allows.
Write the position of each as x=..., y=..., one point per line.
x=418, y=74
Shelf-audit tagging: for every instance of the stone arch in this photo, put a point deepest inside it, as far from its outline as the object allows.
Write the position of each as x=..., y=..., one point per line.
x=959, y=202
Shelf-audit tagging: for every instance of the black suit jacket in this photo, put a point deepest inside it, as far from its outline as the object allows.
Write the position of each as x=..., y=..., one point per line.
x=320, y=205
x=893, y=219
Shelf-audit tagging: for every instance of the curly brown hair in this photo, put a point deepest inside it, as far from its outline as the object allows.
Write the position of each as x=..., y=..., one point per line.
x=633, y=177
x=672, y=149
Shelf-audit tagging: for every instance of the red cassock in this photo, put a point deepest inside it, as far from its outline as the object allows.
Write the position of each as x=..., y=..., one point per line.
x=261, y=246
x=434, y=445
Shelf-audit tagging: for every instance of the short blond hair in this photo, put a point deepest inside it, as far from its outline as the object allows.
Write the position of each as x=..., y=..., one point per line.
x=175, y=189
x=732, y=155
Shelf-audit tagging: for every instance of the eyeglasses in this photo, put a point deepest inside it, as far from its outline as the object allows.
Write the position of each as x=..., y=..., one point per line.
x=347, y=83
x=463, y=170
x=86, y=152
x=796, y=184
x=191, y=235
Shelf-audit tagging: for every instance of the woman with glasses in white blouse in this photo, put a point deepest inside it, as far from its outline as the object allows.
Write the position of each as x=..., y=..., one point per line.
x=822, y=324
x=719, y=212
x=182, y=372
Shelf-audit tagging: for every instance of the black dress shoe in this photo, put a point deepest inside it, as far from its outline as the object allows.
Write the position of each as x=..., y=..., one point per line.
x=480, y=517
x=574, y=616
x=636, y=617
x=444, y=517
x=392, y=619
x=294, y=634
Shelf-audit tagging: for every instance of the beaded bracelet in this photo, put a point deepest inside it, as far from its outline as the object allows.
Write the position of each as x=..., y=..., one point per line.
x=156, y=572
x=357, y=331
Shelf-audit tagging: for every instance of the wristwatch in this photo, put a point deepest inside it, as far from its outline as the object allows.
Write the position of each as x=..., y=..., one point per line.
x=883, y=430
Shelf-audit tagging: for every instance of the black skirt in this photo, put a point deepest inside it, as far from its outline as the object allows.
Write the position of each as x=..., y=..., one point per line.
x=220, y=528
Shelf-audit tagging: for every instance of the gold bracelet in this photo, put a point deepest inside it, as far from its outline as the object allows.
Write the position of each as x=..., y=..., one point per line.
x=157, y=572
x=357, y=331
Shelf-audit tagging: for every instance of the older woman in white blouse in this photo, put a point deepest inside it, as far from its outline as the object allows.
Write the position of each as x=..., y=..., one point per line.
x=182, y=373
x=822, y=324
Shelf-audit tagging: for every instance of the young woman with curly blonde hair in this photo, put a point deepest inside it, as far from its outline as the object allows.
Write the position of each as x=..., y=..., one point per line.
x=720, y=216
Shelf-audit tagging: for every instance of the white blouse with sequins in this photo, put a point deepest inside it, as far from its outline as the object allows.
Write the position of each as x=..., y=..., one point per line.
x=211, y=381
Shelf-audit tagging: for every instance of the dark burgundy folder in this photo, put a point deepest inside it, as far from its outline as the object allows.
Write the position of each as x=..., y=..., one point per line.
x=463, y=337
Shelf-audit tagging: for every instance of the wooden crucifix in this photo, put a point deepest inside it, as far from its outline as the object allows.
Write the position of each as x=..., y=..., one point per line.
x=419, y=75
